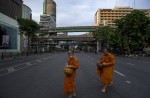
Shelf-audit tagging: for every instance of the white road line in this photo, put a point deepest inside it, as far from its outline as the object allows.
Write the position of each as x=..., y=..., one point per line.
x=38, y=61
x=130, y=64
x=29, y=64
x=11, y=69
x=4, y=74
x=45, y=58
x=128, y=82
x=119, y=73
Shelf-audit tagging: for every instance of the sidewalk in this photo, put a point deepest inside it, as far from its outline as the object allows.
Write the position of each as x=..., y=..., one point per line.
x=134, y=57
x=19, y=57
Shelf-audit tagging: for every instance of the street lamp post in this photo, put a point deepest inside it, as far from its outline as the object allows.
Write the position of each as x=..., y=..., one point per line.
x=37, y=43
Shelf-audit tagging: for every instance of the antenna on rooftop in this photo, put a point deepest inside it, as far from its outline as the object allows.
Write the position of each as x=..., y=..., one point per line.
x=134, y=4
x=116, y=2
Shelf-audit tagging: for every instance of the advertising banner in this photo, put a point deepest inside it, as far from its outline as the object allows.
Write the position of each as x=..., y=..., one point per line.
x=5, y=41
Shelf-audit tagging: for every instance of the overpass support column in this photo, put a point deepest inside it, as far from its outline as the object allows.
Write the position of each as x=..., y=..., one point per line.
x=97, y=46
x=65, y=33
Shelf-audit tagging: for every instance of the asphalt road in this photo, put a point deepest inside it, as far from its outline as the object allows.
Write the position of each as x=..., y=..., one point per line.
x=42, y=77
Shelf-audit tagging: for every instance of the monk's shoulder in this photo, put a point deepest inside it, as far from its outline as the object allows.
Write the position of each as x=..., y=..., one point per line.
x=103, y=57
x=111, y=55
x=75, y=58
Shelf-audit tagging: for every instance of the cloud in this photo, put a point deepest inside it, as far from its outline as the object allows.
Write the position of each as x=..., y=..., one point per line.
x=80, y=12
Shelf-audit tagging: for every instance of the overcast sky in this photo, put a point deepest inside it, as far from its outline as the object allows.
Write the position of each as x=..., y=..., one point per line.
x=80, y=12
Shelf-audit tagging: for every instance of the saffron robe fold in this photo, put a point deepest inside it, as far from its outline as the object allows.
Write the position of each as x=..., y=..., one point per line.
x=106, y=73
x=69, y=82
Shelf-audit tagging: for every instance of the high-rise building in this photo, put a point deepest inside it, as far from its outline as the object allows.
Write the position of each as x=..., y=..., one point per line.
x=48, y=19
x=108, y=16
x=49, y=8
x=46, y=23
x=26, y=12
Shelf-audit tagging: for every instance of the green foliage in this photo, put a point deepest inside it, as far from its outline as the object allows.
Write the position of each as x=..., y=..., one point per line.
x=103, y=34
x=30, y=27
x=132, y=31
x=133, y=28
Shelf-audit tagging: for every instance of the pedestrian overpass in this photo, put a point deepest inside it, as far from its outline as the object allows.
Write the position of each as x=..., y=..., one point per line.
x=71, y=29
x=85, y=37
x=73, y=38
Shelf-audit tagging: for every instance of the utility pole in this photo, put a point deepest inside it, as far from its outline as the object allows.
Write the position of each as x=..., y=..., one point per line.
x=134, y=4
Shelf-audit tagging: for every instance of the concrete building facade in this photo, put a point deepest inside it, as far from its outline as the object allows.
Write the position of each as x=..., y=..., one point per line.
x=46, y=22
x=48, y=19
x=10, y=11
x=105, y=17
x=50, y=8
x=11, y=8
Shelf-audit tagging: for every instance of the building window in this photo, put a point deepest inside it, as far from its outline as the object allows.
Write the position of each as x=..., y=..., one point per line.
x=8, y=37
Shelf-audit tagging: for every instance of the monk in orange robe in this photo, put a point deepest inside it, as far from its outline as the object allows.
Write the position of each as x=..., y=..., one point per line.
x=105, y=72
x=69, y=82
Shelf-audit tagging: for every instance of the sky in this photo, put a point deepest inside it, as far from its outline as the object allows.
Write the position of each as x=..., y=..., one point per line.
x=80, y=12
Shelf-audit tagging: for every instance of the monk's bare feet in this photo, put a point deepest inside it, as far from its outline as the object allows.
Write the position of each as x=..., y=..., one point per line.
x=74, y=94
x=104, y=89
x=70, y=96
x=111, y=83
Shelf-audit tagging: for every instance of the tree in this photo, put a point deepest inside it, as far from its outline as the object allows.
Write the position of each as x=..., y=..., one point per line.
x=147, y=38
x=132, y=29
x=103, y=35
x=29, y=27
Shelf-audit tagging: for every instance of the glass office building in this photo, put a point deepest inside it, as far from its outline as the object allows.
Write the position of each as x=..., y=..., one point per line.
x=26, y=12
x=9, y=34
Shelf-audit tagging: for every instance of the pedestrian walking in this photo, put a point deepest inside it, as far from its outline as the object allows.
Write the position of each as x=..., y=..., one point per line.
x=105, y=69
x=70, y=71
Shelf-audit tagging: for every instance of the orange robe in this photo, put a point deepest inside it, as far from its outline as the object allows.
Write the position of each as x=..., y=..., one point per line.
x=69, y=82
x=106, y=73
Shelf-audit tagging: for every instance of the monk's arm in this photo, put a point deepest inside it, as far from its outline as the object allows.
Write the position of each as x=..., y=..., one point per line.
x=101, y=59
x=75, y=66
x=111, y=62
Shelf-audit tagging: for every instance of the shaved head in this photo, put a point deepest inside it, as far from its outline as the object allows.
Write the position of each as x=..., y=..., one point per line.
x=106, y=51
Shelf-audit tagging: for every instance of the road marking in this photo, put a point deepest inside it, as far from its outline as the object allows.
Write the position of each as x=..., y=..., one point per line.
x=11, y=69
x=29, y=64
x=119, y=73
x=38, y=61
x=130, y=64
x=4, y=74
x=128, y=82
x=45, y=58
